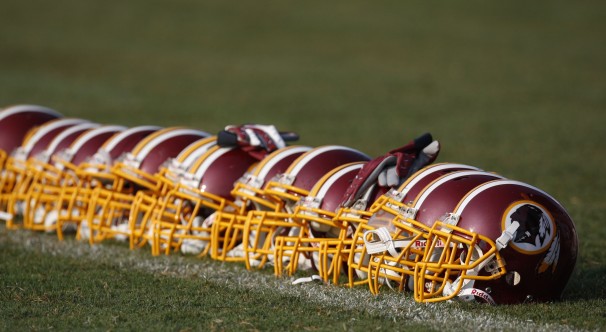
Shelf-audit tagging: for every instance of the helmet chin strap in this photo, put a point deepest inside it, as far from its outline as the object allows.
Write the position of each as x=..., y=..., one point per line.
x=382, y=241
x=507, y=235
x=468, y=293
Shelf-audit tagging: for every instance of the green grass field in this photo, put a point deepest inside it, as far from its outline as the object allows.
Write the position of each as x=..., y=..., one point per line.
x=518, y=88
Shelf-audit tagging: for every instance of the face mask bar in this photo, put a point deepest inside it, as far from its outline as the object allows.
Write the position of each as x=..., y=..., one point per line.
x=393, y=257
x=437, y=263
x=108, y=214
x=261, y=230
x=185, y=218
x=381, y=214
x=312, y=249
x=16, y=180
x=226, y=234
x=145, y=206
x=228, y=228
x=73, y=201
x=127, y=169
x=248, y=189
x=281, y=186
x=347, y=250
x=464, y=258
x=42, y=193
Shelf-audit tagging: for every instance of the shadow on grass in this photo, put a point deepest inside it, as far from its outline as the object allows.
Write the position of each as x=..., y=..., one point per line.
x=587, y=283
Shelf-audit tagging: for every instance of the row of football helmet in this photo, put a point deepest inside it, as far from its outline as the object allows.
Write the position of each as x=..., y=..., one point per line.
x=441, y=231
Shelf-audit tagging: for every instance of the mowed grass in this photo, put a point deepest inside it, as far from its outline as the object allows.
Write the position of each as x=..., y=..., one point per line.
x=89, y=289
x=74, y=286
x=517, y=88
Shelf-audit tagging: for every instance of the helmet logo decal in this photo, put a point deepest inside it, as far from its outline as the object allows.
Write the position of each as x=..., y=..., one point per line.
x=551, y=258
x=537, y=228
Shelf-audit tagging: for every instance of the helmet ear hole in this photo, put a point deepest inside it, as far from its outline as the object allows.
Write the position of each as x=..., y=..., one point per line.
x=513, y=278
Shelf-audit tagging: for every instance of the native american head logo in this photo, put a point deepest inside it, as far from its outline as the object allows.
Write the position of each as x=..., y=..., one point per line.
x=536, y=228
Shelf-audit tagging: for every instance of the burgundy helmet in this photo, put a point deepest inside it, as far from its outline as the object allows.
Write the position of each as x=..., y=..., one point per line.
x=287, y=189
x=514, y=242
x=411, y=188
x=145, y=159
x=123, y=142
x=87, y=144
x=18, y=173
x=404, y=221
x=218, y=169
x=39, y=138
x=16, y=121
x=316, y=214
x=404, y=196
x=169, y=176
x=36, y=141
x=249, y=195
x=132, y=174
x=441, y=195
x=92, y=171
x=306, y=170
x=63, y=140
x=249, y=188
x=99, y=164
x=318, y=209
x=203, y=190
x=62, y=171
x=44, y=173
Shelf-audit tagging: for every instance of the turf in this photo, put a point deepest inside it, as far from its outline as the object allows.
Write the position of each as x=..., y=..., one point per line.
x=516, y=87
x=75, y=286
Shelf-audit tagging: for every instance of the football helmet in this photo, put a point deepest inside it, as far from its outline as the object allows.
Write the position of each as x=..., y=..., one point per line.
x=14, y=179
x=37, y=168
x=316, y=214
x=226, y=233
x=185, y=217
x=95, y=172
x=505, y=242
x=355, y=251
x=60, y=171
x=189, y=213
x=147, y=203
x=430, y=204
x=72, y=205
x=109, y=207
x=373, y=179
x=262, y=227
x=16, y=121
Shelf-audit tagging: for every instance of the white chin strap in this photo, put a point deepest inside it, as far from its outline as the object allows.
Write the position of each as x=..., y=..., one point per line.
x=381, y=242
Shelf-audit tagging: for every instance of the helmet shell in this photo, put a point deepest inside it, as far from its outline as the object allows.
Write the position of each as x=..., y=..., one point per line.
x=16, y=121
